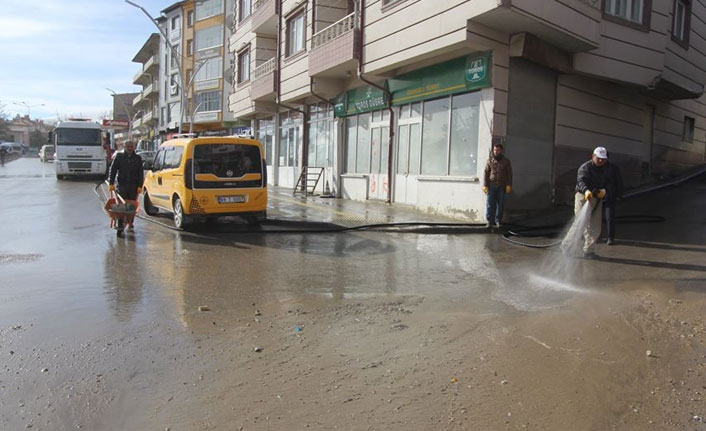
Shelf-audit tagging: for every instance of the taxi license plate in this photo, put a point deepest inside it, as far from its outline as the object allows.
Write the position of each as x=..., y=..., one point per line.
x=231, y=199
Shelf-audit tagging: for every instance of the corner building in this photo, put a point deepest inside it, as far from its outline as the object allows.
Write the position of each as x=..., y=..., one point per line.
x=401, y=100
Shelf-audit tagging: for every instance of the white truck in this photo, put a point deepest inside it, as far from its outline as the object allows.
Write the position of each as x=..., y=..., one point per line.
x=78, y=149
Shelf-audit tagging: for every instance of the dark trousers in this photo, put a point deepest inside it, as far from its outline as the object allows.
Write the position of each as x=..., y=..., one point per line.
x=494, y=204
x=609, y=208
x=128, y=191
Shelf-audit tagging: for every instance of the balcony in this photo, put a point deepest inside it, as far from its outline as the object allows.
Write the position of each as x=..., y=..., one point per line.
x=151, y=90
x=137, y=123
x=144, y=75
x=571, y=25
x=263, y=81
x=138, y=99
x=148, y=117
x=334, y=50
x=264, y=18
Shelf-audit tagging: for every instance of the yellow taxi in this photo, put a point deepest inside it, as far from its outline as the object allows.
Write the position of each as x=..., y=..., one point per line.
x=196, y=178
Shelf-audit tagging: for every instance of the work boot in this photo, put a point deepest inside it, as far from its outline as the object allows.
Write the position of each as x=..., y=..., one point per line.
x=488, y=225
x=590, y=255
x=610, y=241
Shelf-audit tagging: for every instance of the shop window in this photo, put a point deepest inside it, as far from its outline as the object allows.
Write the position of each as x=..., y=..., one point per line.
x=435, y=136
x=681, y=22
x=465, y=118
x=634, y=13
x=265, y=134
x=351, y=139
x=363, y=144
x=296, y=33
x=321, y=135
x=688, y=133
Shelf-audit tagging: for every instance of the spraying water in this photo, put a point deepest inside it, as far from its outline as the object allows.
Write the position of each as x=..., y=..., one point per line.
x=558, y=271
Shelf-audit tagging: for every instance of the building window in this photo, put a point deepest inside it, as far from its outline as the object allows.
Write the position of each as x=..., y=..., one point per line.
x=174, y=85
x=190, y=47
x=386, y=3
x=208, y=8
x=244, y=65
x=632, y=12
x=681, y=22
x=175, y=54
x=209, y=37
x=244, y=9
x=212, y=69
x=208, y=101
x=190, y=19
x=688, y=134
x=296, y=33
x=175, y=23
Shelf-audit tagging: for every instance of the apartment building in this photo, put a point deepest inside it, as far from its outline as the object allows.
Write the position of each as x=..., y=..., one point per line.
x=145, y=120
x=401, y=100
x=170, y=54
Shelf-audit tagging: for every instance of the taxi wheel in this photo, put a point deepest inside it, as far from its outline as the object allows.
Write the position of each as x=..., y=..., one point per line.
x=149, y=208
x=180, y=219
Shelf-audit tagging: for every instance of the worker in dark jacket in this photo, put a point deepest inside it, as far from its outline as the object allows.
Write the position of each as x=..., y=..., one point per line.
x=127, y=167
x=614, y=190
x=497, y=182
x=591, y=189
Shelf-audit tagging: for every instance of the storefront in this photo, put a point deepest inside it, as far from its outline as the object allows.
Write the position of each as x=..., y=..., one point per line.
x=443, y=129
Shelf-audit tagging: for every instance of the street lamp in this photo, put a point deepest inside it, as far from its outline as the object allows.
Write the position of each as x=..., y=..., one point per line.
x=29, y=107
x=127, y=111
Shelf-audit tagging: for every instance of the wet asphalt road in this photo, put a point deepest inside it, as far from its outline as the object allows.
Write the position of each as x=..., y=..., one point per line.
x=91, y=325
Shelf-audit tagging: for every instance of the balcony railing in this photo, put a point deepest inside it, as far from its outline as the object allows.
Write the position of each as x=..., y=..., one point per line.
x=344, y=25
x=257, y=3
x=263, y=69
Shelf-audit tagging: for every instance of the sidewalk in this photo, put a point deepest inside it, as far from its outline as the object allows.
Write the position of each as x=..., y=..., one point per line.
x=345, y=212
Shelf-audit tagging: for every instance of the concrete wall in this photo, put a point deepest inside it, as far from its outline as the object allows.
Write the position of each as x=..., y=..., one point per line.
x=294, y=69
x=414, y=30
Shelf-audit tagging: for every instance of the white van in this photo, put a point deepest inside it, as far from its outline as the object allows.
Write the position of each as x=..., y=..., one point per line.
x=12, y=147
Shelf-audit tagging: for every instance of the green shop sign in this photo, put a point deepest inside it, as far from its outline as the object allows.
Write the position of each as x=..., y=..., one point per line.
x=359, y=100
x=454, y=76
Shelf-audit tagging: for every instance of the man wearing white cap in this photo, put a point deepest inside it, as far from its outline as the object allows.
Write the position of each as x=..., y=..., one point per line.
x=593, y=178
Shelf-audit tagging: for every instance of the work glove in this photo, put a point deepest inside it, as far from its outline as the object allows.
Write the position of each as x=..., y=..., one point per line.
x=485, y=190
x=508, y=189
x=601, y=193
x=111, y=187
x=588, y=195
x=139, y=191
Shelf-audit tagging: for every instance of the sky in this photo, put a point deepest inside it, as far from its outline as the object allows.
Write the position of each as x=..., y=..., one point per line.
x=64, y=53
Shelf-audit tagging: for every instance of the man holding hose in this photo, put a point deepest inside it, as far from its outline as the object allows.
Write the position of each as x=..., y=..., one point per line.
x=593, y=179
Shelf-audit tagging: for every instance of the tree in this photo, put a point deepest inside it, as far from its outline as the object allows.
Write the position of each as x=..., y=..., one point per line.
x=37, y=138
x=4, y=124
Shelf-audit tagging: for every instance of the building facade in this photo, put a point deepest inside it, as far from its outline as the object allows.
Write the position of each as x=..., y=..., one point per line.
x=146, y=109
x=401, y=100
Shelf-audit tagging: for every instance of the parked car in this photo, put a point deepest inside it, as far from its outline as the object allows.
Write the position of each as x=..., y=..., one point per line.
x=46, y=153
x=12, y=148
x=208, y=177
